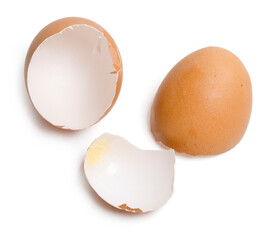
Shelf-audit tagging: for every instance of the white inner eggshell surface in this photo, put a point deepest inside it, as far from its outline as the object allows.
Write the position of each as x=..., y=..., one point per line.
x=128, y=178
x=71, y=78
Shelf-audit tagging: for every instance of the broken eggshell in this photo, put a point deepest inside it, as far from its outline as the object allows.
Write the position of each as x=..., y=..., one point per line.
x=73, y=73
x=129, y=178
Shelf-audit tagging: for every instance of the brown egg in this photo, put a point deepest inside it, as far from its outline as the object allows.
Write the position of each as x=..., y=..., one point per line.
x=204, y=104
x=73, y=73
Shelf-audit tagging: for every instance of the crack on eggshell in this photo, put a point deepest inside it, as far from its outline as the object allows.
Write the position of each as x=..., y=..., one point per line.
x=125, y=207
x=114, y=72
x=114, y=55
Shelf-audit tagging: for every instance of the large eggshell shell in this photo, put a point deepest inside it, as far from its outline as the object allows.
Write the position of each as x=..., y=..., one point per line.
x=129, y=178
x=58, y=26
x=204, y=104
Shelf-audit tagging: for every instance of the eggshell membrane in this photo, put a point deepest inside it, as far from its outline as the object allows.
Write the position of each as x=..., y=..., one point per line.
x=204, y=104
x=129, y=178
x=58, y=26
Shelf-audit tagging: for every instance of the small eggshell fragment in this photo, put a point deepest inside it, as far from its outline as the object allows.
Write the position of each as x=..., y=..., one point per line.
x=73, y=73
x=128, y=178
x=204, y=104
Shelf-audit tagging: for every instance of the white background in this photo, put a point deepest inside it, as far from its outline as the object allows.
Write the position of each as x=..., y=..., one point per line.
x=43, y=191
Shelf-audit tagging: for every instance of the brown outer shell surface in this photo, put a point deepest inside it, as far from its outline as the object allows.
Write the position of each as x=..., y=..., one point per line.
x=56, y=27
x=204, y=104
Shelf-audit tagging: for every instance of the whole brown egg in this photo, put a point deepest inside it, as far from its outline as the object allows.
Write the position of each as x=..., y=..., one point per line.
x=204, y=104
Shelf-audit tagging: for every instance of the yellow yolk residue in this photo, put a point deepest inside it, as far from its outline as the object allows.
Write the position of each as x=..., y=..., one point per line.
x=96, y=151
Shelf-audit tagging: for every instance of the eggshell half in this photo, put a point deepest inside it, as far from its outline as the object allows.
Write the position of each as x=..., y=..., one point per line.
x=73, y=73
x=129, y=178
x=204, y=104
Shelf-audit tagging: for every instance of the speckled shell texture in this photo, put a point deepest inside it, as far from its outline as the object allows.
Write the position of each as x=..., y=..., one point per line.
x=204, y=104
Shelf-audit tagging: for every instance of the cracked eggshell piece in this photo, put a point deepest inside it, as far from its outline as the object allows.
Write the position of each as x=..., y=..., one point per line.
x=129, y=178
x=73, y=73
